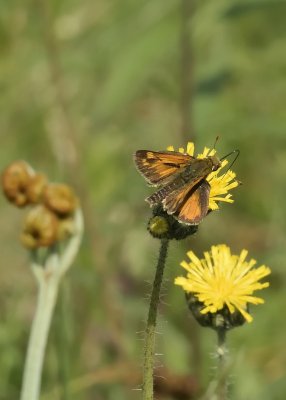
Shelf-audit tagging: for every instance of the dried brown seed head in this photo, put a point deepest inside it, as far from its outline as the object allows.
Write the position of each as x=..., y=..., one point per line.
x=60, y=198
x=66, y=228
x=15, y=179
x=40, y=228
x=36, y=187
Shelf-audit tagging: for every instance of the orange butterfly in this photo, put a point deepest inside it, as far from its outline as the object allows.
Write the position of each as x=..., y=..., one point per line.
x=181, y=178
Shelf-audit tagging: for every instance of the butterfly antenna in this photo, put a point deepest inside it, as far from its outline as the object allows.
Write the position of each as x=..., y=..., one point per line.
x=214, y=146
x=235, y=158
x=229, y=154
x=215, y=142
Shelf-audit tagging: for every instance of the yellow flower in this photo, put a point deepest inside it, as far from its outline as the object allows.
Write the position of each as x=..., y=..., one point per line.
x=222, y=279
x=219, y=184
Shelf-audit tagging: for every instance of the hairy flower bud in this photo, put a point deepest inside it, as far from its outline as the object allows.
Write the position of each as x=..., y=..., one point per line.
x=60, y=199
x=222, y=319
x=40, y=228
x=158, y=227
x=164, y=226
x=15, y=181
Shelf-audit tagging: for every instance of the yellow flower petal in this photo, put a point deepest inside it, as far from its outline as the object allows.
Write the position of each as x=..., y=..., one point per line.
x=190, y=148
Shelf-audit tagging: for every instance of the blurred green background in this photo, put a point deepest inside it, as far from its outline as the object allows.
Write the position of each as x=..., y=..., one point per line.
x=83, y=85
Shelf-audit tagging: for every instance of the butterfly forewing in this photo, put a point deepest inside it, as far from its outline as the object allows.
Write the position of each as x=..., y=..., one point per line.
x=159, y=168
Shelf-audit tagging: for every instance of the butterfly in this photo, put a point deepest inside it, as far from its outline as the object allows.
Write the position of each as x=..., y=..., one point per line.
x=183, y=190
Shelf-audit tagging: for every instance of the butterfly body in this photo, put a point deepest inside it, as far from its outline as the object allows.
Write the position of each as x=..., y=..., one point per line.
x=181, y=178
x=199, y=168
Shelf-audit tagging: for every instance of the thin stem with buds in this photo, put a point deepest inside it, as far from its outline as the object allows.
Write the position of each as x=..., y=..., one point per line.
x=48, y=276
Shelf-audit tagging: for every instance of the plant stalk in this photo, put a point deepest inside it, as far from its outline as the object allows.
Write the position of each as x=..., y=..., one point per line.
x=222, y=365
x=48, y=291
x=149, y=349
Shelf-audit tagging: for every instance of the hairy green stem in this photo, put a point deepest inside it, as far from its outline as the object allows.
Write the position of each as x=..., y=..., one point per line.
x=149, y=349
x=222, y=365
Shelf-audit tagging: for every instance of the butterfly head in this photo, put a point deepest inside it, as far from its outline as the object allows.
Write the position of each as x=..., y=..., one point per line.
x=215, y=162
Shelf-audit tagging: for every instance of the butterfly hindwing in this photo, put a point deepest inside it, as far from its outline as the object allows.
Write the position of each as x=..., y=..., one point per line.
x=175, y=199
x=159, y=168
x=196, y=204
